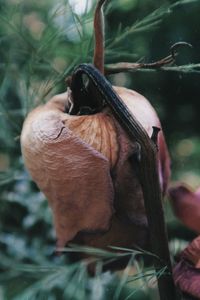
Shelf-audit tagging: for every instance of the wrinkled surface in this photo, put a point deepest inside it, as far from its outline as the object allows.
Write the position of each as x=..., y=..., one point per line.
x=186, y=206
x=98, y=131
x=83, y=166
x=192, y=252
x=74, y=177
x=187, y=271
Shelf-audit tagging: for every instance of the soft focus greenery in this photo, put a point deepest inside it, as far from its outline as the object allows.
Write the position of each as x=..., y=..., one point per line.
x=40, y=43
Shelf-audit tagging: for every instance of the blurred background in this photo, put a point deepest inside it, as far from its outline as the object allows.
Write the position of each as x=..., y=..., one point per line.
x=40, y=44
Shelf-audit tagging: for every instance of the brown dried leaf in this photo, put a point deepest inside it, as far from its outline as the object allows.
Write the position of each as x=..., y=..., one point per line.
x=187, y=271
x=192, y=252
x=74, y=176
x=186, y=206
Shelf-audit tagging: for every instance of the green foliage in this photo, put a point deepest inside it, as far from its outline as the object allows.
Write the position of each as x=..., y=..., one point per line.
x=41, y=42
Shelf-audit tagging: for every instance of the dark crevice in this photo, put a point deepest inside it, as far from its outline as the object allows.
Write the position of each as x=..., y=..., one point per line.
x=86, y=98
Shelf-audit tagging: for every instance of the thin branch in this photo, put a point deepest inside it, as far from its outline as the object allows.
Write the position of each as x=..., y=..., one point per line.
x=128, y=67
x=99, y=37
x=148, y=23
x=184, y=69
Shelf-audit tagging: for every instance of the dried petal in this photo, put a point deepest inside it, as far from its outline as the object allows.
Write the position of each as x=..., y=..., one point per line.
x=187, y=271
x=71, y=157
x=98, y=131
x=186, y=206
x=74, y=176
x=192, y=252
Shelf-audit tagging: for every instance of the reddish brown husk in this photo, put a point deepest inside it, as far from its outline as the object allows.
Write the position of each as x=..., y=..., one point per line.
x=186, y=206
x=187, y=271
x=71, y=158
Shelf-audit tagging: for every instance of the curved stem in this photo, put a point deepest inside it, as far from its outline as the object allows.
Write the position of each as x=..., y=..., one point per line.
x=149, y=177
x=177, y=45
x=99, y=37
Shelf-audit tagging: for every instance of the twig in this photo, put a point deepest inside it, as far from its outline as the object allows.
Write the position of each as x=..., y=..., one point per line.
x=128, y=67
x=183, y=69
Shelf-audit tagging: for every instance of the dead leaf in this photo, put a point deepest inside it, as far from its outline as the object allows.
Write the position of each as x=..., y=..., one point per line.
x=186, y=206
x=187, y=271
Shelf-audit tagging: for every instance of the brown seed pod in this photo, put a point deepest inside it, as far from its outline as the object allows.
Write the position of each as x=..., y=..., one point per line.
x=87, y=166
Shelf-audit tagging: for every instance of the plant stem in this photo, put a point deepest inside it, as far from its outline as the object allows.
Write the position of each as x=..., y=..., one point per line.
x=149, y=177
x=99, y=37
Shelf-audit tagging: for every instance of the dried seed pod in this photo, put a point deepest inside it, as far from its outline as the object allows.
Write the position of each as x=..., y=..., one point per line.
x=87, y=166
x=71, y=159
